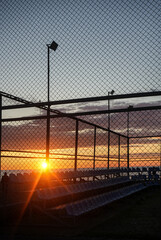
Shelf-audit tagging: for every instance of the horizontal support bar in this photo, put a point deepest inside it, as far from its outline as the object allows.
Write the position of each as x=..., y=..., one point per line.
x=79, y=100
x=134, y=109
x=84, y=114
x=154, y=136
x=56, y=154
x=11, y=156
x=22, y=151
x=103, y=98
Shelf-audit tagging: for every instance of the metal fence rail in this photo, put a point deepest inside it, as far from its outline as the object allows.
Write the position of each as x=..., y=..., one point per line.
x=79, y=141
x=74, y=143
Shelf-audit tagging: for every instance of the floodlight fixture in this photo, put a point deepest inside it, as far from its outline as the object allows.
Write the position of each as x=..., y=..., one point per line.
x=111, y=92
x=53, y=46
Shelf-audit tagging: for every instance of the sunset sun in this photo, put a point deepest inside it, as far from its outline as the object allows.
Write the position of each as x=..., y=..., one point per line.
x=44, y=165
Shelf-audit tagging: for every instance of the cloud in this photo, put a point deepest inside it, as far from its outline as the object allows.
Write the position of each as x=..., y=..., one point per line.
x=32, y=134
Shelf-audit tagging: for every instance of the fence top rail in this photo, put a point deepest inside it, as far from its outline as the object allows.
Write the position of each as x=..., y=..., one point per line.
x=134, y=109
x=61, y=114
x=79, y=100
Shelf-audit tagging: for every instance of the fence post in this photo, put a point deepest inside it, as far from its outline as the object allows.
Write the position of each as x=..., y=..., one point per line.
x=119, y=151
x=128, y=121
x=0, y=131
x=94, y=150
x=108, y=164
x=76, y=146
x=128, y=158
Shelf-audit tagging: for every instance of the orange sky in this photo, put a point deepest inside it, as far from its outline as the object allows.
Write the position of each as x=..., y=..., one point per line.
x=140, y=155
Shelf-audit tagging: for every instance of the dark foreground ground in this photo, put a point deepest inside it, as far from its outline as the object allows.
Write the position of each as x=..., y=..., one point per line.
x=136, y=217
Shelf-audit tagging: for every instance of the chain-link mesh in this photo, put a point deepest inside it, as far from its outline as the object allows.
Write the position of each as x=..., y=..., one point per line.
x=23, y=145
x=144, y=130
x=101, y=154
x=103, y=45
x=23, y=142
x=78, y=143
x=145, y=123
x=62, y=143
x=145, y=152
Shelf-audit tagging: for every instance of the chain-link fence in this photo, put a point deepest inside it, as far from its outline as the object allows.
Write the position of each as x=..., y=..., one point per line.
x=102, y=45
x=76, y=142
x=145, y=138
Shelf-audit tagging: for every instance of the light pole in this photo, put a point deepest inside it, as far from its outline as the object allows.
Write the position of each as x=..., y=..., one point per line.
x=128, y=118
x=52, y=46
x=109, y=93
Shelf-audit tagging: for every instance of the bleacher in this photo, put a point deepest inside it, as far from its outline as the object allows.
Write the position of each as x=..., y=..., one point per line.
x=83, y=205
x=84, y=175
x=87, y=205
x=73, y=193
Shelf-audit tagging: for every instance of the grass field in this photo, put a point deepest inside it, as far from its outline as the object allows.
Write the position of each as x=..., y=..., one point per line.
x=136, y=217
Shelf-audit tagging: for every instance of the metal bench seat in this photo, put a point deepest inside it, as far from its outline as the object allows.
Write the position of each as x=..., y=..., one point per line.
x=86, y=205
x=30, y=177
x=52, y=193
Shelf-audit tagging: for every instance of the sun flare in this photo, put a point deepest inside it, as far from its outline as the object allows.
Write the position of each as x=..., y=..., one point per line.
x=44, y=165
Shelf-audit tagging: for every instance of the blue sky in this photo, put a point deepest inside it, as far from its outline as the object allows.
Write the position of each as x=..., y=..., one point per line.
x=103, y=45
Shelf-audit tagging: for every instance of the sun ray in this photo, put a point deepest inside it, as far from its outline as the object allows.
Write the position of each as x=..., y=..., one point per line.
x=35, y=183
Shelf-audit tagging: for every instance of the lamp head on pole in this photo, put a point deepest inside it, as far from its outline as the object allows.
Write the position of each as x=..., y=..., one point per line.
x=112, y=92
x=53, y=46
